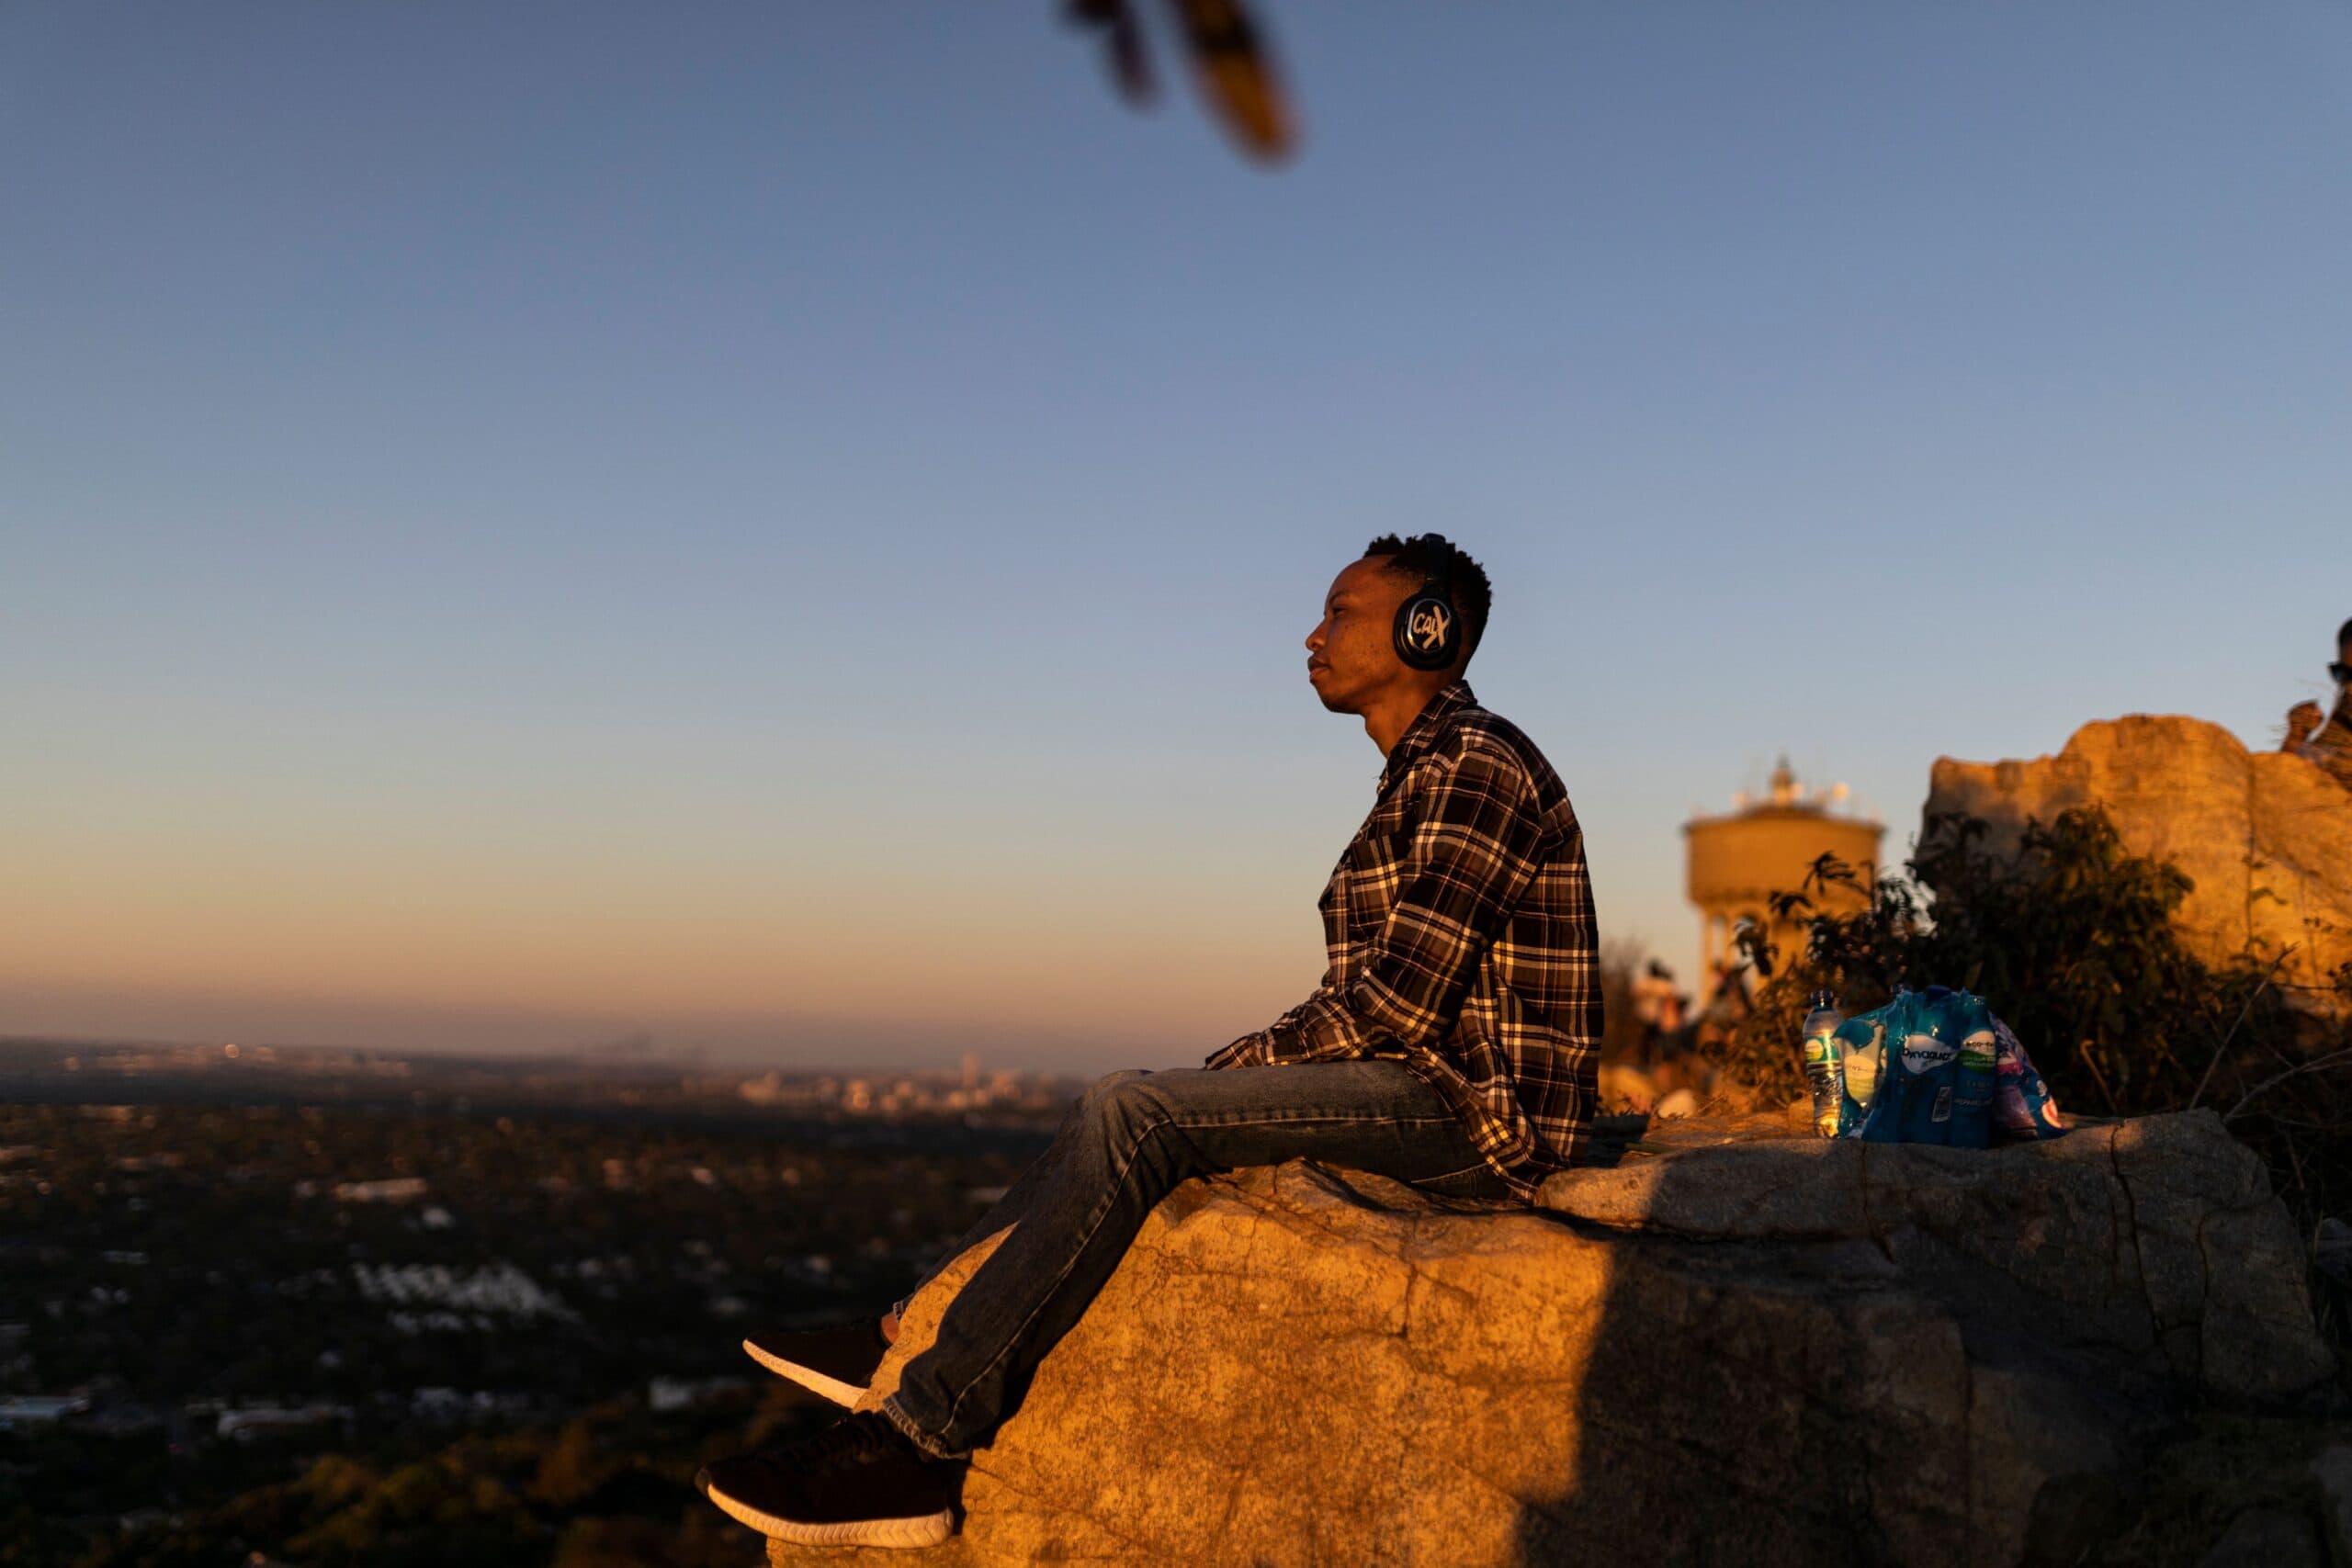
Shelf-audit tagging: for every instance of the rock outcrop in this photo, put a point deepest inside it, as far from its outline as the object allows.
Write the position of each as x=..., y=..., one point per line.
x=2267, y=837
x=1737, y=1345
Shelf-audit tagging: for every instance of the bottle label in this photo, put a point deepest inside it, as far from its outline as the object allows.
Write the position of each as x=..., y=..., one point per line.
x=1925, y=1053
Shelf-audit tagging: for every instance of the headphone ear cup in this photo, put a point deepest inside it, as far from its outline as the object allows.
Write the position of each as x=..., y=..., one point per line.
x=1427, y=632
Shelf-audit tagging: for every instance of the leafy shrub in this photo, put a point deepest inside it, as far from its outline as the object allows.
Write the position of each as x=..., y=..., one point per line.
x=2071, y=940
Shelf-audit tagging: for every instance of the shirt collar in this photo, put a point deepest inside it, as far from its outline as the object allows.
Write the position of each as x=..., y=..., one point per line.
x=1421, y=733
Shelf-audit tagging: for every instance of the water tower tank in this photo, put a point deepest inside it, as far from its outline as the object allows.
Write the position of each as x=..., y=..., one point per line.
x=1738, y=862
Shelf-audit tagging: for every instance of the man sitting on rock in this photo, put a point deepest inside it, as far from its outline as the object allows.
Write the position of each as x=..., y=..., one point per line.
x=1452, y=1044
x=2326, y=738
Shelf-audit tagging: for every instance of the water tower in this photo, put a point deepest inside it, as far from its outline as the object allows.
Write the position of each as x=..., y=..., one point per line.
x=1763, y=847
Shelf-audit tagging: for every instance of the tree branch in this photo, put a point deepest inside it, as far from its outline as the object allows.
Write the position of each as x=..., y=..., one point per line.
x=2318, y=1064
x=2222, y=1049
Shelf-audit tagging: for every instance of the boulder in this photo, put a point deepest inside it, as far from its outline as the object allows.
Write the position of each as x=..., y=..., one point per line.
x=2267, y=837
x=2157, y=1236
x=2267, y=1538
x=1737, y=1345
x=2332, y=1471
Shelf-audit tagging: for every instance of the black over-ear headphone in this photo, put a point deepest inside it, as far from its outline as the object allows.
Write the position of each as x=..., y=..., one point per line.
x=1429, y=629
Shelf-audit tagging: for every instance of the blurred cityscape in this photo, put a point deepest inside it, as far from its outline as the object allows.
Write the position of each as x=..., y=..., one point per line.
x=323, y=1307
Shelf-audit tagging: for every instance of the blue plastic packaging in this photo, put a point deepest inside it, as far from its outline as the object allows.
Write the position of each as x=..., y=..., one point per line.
x=2021, y=1104
x=1861, y=1054
x=1911, y=1075
x=1937, y=1066
x=1970, y=1024
x=1937, y=1080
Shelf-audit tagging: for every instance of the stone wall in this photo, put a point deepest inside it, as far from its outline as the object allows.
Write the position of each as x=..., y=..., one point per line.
x=1740, y=1345
x=2266, y=837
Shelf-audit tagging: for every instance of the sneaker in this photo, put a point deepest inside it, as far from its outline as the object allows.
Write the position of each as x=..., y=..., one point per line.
x=835, y=1362
x=858, y=1482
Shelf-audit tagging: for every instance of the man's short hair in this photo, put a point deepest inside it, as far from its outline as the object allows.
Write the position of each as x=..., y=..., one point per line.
x=2344, y=634
x=1434, y=555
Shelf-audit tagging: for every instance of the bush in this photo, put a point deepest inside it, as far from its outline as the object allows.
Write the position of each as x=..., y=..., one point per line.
x=2071, y=941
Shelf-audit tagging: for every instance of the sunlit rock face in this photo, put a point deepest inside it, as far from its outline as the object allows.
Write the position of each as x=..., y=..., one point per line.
x=2266, y=837
x=1736, y=1346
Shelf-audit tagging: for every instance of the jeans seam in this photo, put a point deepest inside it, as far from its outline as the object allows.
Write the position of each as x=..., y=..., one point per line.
x=1118, y=1184
x=1094, y=1224
x=891, y=1412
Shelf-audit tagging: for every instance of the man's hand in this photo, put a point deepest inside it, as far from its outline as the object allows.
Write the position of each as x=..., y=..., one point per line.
x=2302, y=719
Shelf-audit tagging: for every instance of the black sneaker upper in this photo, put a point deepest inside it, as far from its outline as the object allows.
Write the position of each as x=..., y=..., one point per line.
x=860, y=1468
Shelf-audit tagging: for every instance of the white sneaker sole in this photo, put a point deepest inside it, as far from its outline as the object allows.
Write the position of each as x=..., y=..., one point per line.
x=846, y=1395
x=925, y=1530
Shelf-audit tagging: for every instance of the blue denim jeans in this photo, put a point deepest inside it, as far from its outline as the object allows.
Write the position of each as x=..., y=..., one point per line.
x=1129, y=1140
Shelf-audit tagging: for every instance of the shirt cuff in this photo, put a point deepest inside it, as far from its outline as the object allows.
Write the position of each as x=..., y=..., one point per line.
x=1250, y=1051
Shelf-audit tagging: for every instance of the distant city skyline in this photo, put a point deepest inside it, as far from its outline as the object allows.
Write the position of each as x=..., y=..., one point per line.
x=789, y=529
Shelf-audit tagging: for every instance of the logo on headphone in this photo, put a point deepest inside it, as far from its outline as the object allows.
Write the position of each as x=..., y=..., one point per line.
x=1430, y=622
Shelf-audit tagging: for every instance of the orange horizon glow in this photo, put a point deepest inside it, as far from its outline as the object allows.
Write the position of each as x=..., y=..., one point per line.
x=576, y=945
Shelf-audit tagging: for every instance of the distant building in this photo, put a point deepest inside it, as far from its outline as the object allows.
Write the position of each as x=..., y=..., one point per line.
x=1738, y=862
x=36, y=1410
x=271, y=1420
x=665, y=1395
x=390, y=1190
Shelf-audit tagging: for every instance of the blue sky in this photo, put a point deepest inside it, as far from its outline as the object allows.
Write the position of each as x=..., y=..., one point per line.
x=789, y=527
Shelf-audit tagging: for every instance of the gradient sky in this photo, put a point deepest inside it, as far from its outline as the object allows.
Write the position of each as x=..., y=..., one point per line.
x=788, y=528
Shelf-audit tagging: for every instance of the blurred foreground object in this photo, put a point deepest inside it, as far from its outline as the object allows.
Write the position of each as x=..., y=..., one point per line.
x=1229, y=61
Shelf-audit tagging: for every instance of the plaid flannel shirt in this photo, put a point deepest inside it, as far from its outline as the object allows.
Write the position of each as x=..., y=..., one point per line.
x=1459, y=929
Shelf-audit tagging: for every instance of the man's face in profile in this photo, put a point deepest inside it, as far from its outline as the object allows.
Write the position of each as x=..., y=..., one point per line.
x=1350, y=656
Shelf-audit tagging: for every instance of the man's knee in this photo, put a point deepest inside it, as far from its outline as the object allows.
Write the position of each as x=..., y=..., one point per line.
x=1119, y=1099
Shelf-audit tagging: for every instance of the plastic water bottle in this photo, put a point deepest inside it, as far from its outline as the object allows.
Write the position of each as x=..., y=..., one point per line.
x=1971, y=1111
x=1889, y=1087
x=1821, y=1063
x=1924, y=1040
x=1861, y=1046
